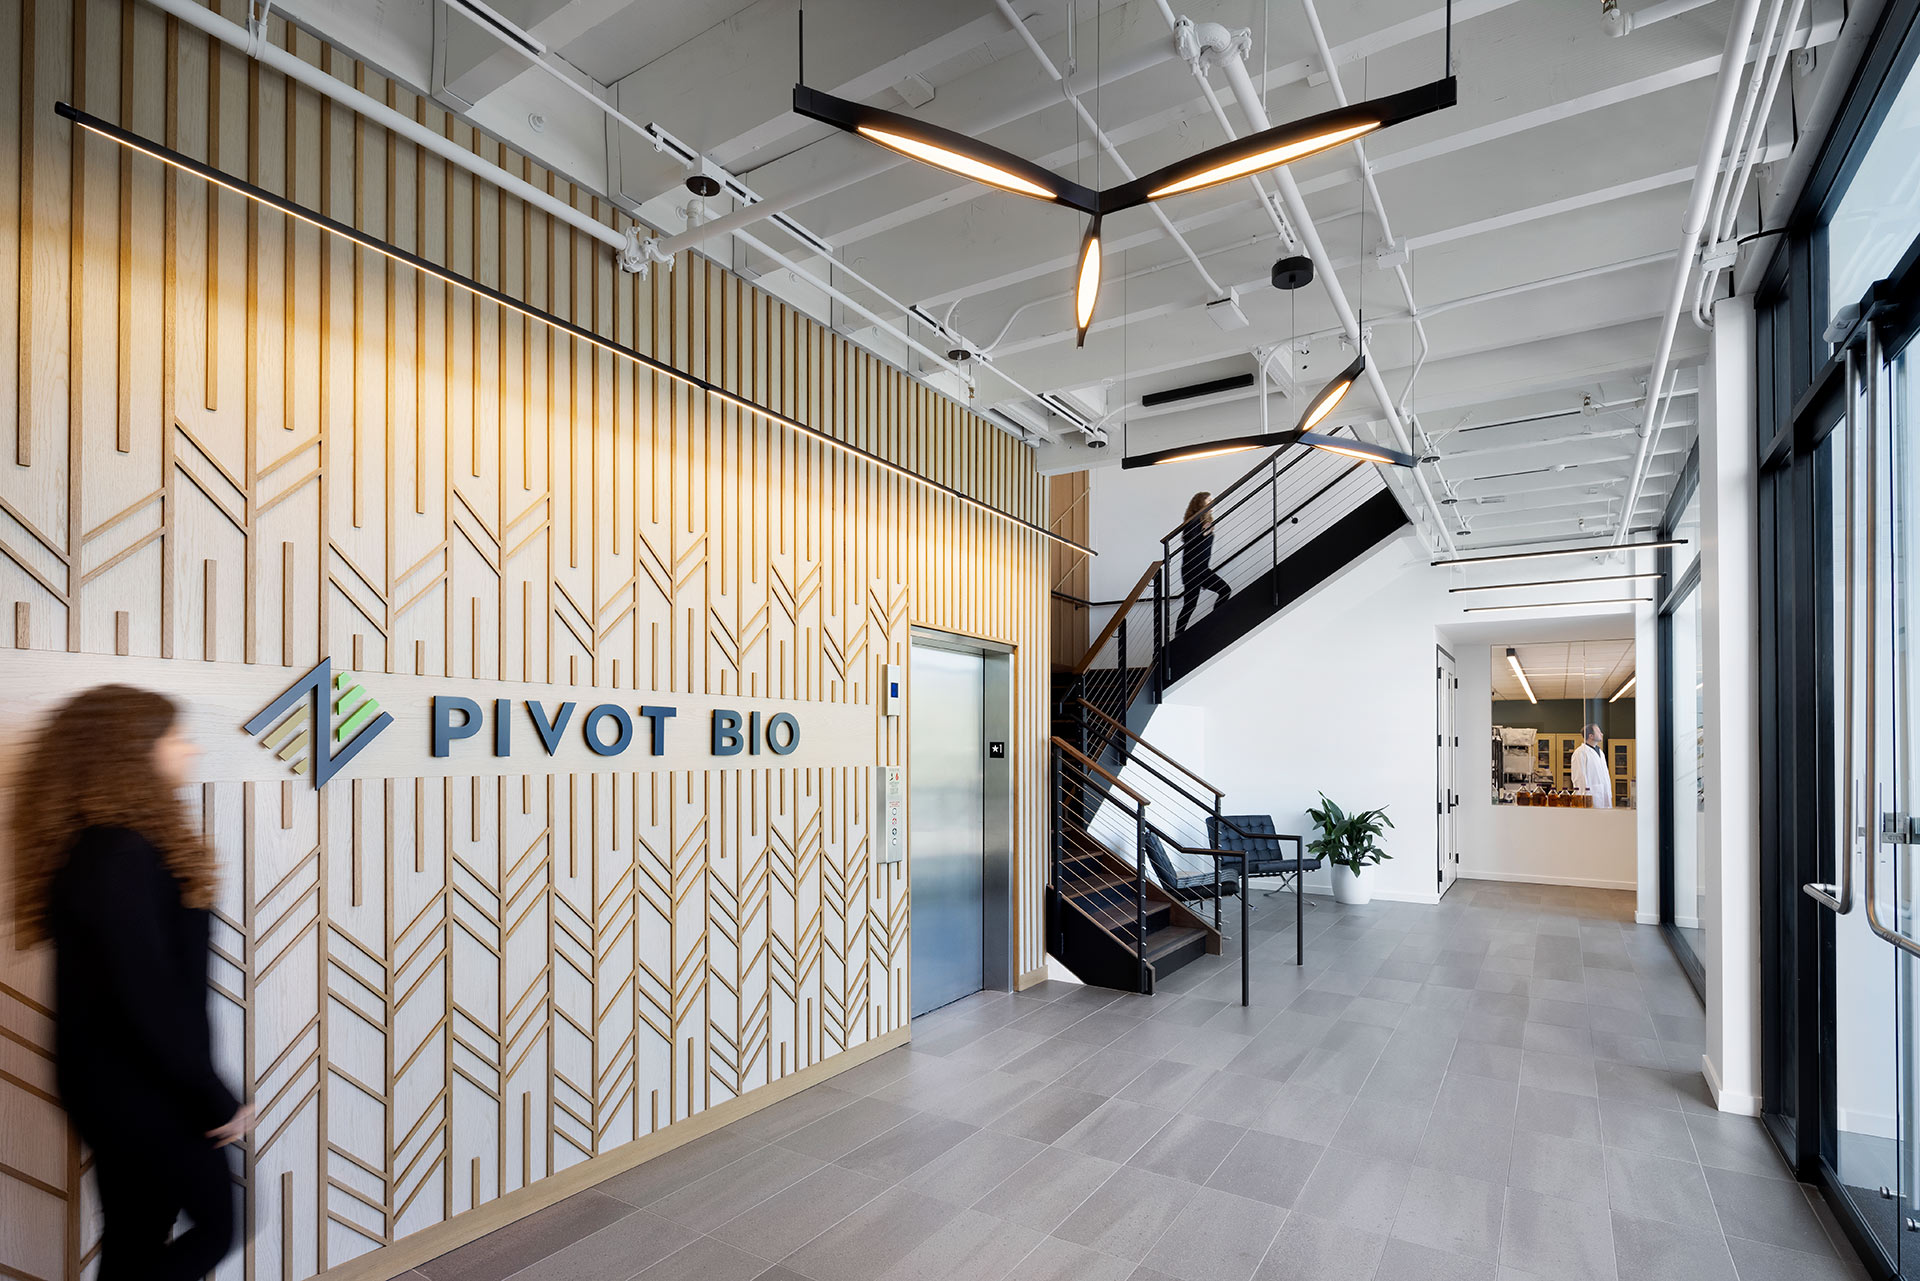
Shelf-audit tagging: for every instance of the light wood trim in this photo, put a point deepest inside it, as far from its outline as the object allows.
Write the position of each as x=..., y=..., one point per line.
x=1113, y=623
x=1075, y=753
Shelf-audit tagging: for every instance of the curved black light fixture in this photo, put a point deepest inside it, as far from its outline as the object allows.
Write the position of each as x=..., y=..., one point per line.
x=1086, y=285
x=945, y=149
x=1328, y=398
x=1355, y=448
x=1281, y=145
x=1207, y=449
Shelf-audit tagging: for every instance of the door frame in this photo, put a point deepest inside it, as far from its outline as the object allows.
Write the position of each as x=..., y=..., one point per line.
x=1446, y=712
x=999, y=932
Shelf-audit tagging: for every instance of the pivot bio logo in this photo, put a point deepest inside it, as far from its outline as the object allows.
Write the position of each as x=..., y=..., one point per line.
x=320, y=723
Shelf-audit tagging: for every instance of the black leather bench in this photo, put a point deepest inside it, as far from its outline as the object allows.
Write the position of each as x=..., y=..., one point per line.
x=1267, y=852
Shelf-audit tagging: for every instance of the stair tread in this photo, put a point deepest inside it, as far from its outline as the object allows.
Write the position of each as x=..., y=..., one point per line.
x=1168, y=938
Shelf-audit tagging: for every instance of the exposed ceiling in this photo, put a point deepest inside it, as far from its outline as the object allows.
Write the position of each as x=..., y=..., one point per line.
x=1564, y=669
x=1538, y=218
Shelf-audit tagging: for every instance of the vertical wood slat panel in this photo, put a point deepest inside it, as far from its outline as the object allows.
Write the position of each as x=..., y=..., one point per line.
x=344, y=459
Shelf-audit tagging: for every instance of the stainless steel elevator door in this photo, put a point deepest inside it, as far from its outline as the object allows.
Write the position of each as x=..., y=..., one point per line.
x=946, y=824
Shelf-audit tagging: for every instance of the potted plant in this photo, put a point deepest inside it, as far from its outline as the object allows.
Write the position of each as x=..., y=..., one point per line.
x=1350, y=843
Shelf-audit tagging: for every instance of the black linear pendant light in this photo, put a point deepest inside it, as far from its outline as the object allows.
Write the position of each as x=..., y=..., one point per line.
x=1206, y=449
x=945, y=149
x=1281, y=145
x=981, y=162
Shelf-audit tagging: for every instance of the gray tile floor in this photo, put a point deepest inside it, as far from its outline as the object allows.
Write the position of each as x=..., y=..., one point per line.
x=1505, y=1087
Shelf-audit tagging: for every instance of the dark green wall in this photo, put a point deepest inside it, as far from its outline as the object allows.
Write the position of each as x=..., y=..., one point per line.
x=1567, y=715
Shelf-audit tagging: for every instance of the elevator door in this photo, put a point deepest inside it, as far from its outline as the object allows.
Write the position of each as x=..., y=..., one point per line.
x=946, y=824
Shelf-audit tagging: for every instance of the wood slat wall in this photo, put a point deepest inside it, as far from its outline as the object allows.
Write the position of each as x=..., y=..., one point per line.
x=231, y=437
x=1068, y=499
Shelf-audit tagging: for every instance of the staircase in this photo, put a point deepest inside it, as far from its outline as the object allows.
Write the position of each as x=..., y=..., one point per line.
x=1135, y=888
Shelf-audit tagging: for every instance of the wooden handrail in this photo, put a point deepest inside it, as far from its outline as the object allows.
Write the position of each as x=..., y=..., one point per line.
x=1089, y=763
x=1144, y=743
x=1119, y=616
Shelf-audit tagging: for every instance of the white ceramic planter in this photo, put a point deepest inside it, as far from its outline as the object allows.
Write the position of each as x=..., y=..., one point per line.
x=1352, y=888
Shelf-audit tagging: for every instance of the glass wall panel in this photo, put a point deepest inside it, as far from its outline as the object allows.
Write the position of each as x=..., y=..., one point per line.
x=1686, y=782
x=1877, y=218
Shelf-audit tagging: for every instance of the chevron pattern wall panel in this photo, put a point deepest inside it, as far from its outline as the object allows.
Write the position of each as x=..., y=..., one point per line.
x=234, y=446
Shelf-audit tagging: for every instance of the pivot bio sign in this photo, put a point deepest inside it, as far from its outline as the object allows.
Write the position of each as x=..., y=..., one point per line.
x=608, y=729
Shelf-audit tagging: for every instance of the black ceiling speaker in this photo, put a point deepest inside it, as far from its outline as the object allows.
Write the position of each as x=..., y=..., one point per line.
x=1293, y=273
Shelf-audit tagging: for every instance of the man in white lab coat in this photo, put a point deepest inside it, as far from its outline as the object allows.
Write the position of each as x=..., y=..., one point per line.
x=1590, y=774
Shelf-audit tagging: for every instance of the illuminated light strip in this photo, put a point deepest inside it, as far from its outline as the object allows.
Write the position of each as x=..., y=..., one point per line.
x=1086, y=291
x=1272, y=158
x=1558, y=604
x=1603, y=549
x=1622, y=692
x=955, y=162
x=1513, y=661
x=314, y=218
x=1555, y=582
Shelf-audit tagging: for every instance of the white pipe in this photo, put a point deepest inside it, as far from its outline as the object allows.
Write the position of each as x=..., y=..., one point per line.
x=1733, y=58
x=1106, y=144
x=1749, y=139
x=1242, y=85
x=201, y=18
x=1325, y=51
x=1621, y=21
x=646, y=134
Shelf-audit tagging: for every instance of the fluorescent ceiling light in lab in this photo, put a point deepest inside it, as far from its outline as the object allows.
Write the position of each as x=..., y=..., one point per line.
x=1622, y=692
x=1555, y=582
x=1086, y=290
x=1603, y=549
x=1513, y=661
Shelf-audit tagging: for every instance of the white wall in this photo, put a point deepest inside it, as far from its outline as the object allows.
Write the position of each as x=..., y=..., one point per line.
x=1131, y=510
x=1335, y=694
x=1597, y=848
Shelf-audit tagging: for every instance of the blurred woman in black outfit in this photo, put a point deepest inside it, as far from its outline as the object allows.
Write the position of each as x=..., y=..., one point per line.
x=1196, y=558
x=113, y=872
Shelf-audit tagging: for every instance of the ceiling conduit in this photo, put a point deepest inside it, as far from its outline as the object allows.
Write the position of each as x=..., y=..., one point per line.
x=1302, y=221
x=625, y=245
x=1706, y=174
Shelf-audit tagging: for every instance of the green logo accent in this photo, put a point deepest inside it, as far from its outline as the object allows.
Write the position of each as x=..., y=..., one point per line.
x=342, y=719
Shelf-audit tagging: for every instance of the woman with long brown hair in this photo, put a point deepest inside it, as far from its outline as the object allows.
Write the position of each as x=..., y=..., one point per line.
x=1197, y=573
x=110, y=869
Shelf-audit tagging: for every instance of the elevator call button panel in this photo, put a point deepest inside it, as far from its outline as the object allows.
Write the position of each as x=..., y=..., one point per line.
x=893, y=813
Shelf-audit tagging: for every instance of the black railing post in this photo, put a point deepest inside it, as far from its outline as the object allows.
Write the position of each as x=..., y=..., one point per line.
x=1059, y=838
x=1140, y=891
x=1120, y=668
x=1213, y=842
x=1246, y=940
x=1160, y=632
x=1273, y=486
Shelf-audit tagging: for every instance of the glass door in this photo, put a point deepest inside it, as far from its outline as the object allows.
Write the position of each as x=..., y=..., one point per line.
x=1891, y=399
x=1861, y=1099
